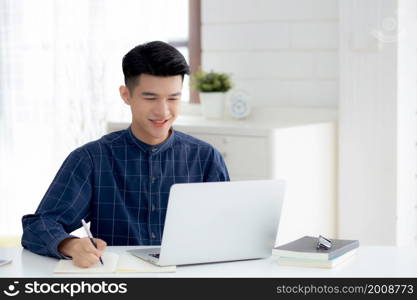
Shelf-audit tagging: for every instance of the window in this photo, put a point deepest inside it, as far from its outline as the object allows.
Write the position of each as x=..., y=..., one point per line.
x=59, y=79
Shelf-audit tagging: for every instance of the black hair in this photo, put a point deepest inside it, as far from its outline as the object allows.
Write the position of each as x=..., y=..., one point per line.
x=154, y=58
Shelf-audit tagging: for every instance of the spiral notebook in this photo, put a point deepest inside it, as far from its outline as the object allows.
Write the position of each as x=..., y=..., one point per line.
x=113, y=263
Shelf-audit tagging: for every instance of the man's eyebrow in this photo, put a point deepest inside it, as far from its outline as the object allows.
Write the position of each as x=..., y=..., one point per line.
x=149, y=94
x=155, y=94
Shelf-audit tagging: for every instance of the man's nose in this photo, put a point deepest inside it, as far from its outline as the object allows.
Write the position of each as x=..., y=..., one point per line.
x=162, y=108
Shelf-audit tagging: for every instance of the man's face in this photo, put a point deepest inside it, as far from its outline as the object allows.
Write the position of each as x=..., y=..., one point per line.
x=155, y=104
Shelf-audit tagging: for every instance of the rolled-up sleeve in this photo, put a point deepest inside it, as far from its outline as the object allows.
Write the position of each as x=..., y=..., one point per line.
x=65, y=203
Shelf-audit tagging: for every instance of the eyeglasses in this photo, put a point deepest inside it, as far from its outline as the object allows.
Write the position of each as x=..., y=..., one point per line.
x=323, y=243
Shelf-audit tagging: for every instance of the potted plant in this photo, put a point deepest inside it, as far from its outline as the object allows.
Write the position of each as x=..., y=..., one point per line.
x=212, y=87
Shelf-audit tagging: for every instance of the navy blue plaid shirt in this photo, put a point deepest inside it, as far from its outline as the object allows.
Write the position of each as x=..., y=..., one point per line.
x=121, y=185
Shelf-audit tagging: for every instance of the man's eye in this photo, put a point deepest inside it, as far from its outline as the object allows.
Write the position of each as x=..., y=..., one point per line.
x=173, y=99
x=150, y=98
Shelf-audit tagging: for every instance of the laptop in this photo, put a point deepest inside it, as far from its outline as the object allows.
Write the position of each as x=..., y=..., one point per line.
x=218, y=221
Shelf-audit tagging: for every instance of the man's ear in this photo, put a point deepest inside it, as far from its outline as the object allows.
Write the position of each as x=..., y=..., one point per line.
x=124, y=94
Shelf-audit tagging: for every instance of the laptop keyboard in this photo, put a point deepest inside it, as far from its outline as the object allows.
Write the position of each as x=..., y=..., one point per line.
x=156, y=255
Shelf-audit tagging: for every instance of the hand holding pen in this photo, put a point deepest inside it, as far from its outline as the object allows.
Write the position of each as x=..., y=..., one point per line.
x=82, y=251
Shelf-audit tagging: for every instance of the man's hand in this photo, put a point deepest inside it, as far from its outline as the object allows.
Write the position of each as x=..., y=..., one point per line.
x=82, y=251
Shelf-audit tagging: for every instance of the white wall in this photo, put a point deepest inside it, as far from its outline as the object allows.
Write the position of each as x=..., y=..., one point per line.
x=294, y=52
x=283, y=52
x=377, y=122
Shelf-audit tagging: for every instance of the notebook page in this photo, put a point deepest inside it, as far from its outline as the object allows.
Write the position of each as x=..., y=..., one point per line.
x=109, y=259
x=129, y=263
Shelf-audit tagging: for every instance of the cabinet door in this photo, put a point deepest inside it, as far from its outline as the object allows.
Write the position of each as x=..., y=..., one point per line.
x=246, y=157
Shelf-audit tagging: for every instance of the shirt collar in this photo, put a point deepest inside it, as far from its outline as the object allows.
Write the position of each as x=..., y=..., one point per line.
x=151, y=149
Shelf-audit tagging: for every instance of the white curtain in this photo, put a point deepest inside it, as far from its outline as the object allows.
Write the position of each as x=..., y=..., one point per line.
x=60, y=68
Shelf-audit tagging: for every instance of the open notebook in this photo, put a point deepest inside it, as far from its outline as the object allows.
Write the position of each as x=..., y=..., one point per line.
x=113, y=263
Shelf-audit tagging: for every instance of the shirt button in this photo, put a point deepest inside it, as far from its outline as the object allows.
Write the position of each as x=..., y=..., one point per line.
x=153, y=207
x=153, y=235
x=153, y=179
x=154, y=149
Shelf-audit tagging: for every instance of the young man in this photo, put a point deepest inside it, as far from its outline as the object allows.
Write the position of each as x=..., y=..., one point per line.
x=121, y=182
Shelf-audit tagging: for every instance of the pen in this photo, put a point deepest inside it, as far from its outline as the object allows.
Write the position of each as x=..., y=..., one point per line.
x=90, y=236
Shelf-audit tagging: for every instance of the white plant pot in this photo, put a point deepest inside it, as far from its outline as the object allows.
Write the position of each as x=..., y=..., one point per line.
x=212, y=104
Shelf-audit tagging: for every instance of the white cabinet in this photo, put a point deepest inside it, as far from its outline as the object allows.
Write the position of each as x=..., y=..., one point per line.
x=246, y=157
x=304, y=155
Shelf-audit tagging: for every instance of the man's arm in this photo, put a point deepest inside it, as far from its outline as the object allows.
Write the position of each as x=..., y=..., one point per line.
x=216, y=168
x=65, y=203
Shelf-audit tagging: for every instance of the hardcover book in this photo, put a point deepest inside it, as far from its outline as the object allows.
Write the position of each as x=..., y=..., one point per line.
x=312, y=263
x=305, y=248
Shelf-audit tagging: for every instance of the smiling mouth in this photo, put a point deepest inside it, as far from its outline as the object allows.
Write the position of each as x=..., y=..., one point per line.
x=159, y=123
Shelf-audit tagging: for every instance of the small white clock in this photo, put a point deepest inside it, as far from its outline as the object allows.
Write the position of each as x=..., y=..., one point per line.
x=239, y=104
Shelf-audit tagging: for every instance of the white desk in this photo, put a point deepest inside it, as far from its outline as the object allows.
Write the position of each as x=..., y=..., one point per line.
x=369, y=262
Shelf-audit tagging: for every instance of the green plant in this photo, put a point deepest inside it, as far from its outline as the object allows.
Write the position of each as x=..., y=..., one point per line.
x=211, y=81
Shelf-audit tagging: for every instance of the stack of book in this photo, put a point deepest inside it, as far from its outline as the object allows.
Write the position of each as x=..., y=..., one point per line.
x=303, y=253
